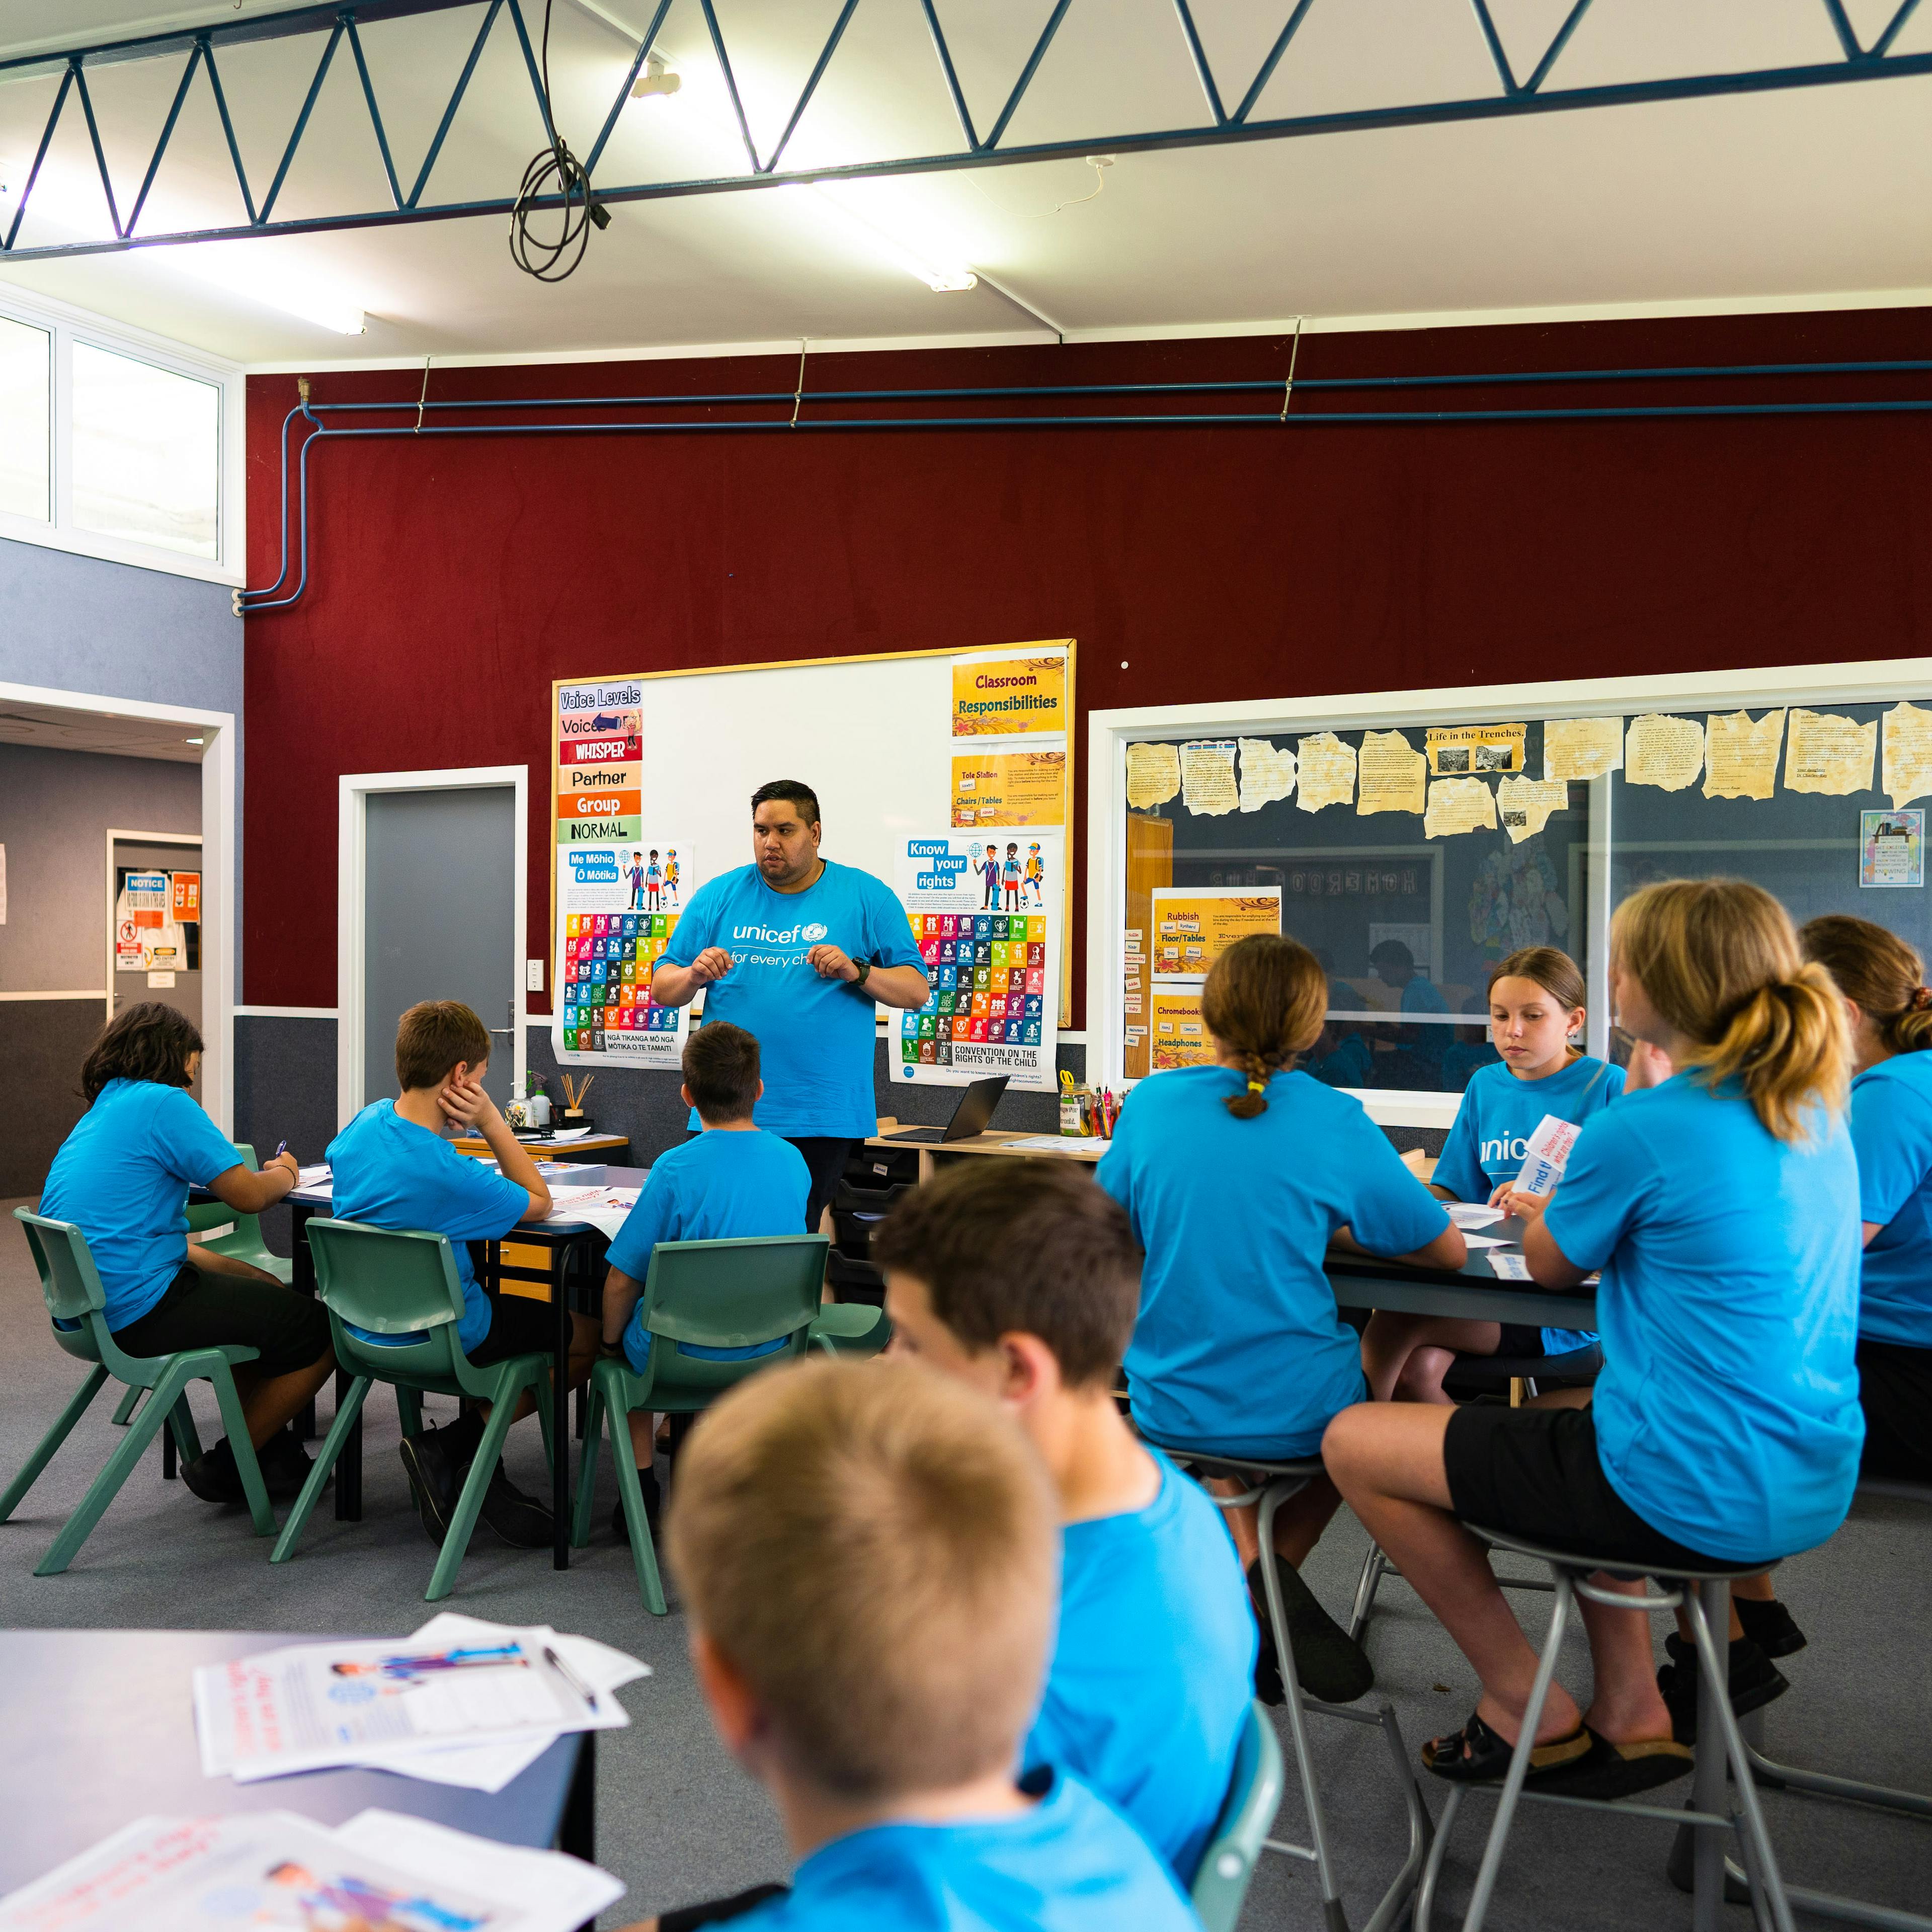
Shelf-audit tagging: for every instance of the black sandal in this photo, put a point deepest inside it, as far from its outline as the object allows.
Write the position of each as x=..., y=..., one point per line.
x=1476, y=1755
x=1608, y=1770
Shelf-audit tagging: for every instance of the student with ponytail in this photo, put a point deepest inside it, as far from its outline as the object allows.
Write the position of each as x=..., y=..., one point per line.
x=1535, y=1001
x=1237, y=1176
x=1891, y=1013
x=1722, y=1208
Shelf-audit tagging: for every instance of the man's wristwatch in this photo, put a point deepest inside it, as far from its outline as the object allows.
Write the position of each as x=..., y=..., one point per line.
x=865, y=966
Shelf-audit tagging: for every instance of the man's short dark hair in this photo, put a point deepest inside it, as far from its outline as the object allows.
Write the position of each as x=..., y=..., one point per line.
x=1033, y=1247
x=720, y=1068
x=794, y=793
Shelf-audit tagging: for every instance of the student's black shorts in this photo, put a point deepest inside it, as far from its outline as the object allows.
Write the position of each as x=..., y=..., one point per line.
x=1895, y=1391
x=1534, y=1473
x=518, y=1326
x=288, y=1331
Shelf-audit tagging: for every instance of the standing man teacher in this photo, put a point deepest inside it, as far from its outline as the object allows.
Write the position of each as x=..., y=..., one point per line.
x=797, y=950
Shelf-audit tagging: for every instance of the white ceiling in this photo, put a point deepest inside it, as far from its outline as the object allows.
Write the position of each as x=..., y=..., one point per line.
x=59, y=729
x=1821, y=197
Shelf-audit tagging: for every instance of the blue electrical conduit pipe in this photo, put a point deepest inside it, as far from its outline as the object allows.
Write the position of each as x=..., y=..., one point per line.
x=248, y=601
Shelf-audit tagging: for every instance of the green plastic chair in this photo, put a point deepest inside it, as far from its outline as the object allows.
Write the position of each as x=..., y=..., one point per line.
x=851, y=1328
x=1254, y=1796
x=396, y=1283
x=76, y=1306
x=702, y=1294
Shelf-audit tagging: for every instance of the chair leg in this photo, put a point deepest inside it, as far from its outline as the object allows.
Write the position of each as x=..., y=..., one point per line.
x=644, y=1551
x=1519, y=1770
x=409, y=1409
x=442, y=1578
x=582, y=1515
x=346, y=1411
x=123, y=1410
x=30, y=1470
x=545, y=1398
x=182, y=1432
x=228, y=1399
x=102, y=1491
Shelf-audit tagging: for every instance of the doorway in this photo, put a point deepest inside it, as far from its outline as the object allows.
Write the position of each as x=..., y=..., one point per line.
x=432, y=893
x=154, y=912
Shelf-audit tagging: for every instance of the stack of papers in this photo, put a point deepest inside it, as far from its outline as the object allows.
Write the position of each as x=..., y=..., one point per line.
x=317, y=1179
x=605, y=1208
x=462, y=1702
x=272, y=1868
x=564, y=1134
x=1466, y=1214
x=1054, y=1143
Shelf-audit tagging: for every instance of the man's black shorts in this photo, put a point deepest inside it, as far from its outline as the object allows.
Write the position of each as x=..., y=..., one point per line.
x=288, y=1331
x=518, y=1326
x=1534, y=1473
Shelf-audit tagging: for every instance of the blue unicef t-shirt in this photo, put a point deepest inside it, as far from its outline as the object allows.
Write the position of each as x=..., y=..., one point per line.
x=1489, y=1140
x=1239, y=1345
x=815, y=1036
x=390, y=1173
x=122, y=1177
x=1153, y=1666
x=1892, y=1132
x=1070, y=1864
x=1727, y=1412
x=721, y=1186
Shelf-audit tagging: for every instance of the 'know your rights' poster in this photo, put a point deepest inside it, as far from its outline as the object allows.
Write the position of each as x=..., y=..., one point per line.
x=985, y=911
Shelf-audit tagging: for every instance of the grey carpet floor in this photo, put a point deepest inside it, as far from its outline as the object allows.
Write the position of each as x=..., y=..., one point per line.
x=677, y=1821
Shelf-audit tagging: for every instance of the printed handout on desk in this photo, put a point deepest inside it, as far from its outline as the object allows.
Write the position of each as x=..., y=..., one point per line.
x=1508, y=1264
x=1549, y=1147
x=605, y=1208
x=318, y=1179
x=381, y=1872
x=1467, y=1214
x=1485, y=1240
x=307, y=1707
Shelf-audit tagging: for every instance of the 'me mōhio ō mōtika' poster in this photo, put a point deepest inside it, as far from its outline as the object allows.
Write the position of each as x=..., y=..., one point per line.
x=985, y=910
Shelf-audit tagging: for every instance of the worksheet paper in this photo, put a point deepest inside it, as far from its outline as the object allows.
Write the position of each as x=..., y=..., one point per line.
x=1468, y=1214
x=1509, y=1265
x=308, y=1707
x=275, y=1870
x=1548, y=1152
x=605, y=1208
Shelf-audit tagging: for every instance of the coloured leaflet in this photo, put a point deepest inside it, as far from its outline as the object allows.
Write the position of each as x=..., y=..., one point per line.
x=1020, y=690
x=1549, y=1153
x=1178, y=1036
x=1017, y=788
x=1193, y=928
x=986, y=915
x=147, y=937
x=617, y=906
x=1891, y=847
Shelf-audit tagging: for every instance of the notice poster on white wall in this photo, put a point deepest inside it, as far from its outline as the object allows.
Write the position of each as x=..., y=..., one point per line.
x=985, y=910
x=617, y=906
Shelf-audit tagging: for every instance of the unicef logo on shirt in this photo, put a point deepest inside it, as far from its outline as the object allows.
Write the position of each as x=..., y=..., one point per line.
x=812, y=934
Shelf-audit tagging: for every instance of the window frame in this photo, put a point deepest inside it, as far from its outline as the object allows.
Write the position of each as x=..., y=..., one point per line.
x=1880, y=681
x=68, y=326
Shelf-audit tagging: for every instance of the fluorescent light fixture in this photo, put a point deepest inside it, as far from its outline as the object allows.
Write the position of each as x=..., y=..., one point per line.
x=910, y=243
x=194, y=741
x=661, y=80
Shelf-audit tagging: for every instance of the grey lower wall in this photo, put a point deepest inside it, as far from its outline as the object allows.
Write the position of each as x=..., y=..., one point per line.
x=42, y=1045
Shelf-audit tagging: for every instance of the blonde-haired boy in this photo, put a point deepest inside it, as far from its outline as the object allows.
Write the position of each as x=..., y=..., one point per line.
x=868, y=1559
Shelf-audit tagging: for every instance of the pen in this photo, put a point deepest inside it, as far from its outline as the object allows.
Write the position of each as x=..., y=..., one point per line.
x=281, y=1150
x=570, y=1676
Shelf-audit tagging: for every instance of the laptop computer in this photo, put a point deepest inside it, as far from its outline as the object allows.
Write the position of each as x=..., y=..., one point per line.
x=970, y=1117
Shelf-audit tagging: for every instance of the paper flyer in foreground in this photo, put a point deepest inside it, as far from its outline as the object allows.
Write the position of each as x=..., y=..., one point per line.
x=1549, y=1147
x=985, y=910
x=379, y=1873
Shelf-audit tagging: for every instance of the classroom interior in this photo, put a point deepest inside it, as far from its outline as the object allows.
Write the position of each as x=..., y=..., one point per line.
x=1379, y=398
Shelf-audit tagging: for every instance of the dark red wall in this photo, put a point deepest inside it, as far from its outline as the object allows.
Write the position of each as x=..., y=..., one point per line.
x=451, y=581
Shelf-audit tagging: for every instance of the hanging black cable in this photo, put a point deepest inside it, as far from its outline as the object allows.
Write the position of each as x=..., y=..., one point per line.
x=546, y=260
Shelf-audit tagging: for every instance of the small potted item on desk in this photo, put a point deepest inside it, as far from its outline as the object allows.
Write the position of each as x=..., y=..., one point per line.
x=573, y=1116
x=536, y=1103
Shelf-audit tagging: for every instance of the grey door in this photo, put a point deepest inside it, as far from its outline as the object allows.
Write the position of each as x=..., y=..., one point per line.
x=180, y=986
x=439, y=920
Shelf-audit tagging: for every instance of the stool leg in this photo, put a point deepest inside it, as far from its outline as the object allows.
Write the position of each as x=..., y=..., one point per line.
x=1373, y=1564
x=1532, y=1715
x=1425, y=1893
x=1272, y=1497
x=1712, y=1601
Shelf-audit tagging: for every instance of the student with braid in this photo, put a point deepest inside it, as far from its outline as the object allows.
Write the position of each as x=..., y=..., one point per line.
x=1237, y=1176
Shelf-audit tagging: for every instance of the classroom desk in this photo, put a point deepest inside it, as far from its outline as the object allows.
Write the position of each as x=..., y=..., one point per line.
x=595, y=1147
x=1473, y=1293
x=994, y=1140
x=97, y=1730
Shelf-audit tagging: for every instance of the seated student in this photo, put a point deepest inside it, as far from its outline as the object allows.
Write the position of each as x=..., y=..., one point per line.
x=731, y=1182
x=1022, y=1278
x=1891, y=1010
x=394, y=1167
x=122, y=1177
x=1536, y=1005
x=868, y=1557
x=1722, y=1209
x=1236, y=1178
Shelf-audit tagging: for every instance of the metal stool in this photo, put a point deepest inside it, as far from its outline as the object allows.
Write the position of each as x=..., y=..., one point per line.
x=1911, y=1804
x=1269, y=1485
x=1709, y=1600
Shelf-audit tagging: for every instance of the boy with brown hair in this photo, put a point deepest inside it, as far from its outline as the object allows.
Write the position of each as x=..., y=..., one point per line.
x=1022, y=1278
x=868, y=1562
x=393, y=1166
x=733, y=1181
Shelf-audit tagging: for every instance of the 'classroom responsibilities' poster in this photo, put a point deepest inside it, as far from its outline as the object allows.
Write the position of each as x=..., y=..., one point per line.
x=985, y=912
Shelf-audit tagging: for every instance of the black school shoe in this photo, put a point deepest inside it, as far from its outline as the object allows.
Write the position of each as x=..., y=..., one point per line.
x=213, y=1477
x=1755, y=1680
x=518, y=1519
x=285, y=1466
x=620, y=1527
x=1329, y=1663
x=435, y=1465
x=1770, y=1626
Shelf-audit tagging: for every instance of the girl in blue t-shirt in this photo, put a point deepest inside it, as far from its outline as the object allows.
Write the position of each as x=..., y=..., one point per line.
x=1536, y=1009
x=1722, y=1208
x=1891, y=1012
